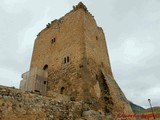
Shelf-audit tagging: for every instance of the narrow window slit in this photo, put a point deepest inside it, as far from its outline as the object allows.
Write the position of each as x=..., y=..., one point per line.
x=67, y=59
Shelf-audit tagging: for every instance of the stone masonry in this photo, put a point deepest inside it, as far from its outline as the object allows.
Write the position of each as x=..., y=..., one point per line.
x=73, y=51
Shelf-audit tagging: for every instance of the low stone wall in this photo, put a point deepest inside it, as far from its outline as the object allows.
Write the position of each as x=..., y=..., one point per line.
x=19, y=105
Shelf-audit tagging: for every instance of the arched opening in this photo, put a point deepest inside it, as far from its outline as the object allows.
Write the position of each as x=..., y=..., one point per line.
x=45, y=82
x=45, y=67
x=66, y=59
x=62, y=90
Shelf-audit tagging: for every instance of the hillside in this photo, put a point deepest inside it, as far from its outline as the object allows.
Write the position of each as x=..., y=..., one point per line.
x=136, y=108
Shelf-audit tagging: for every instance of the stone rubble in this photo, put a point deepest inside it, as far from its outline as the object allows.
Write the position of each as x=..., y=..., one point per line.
x=18, y=105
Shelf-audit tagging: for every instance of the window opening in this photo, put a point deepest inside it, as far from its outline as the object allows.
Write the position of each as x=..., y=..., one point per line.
x=67, y=59
x=80, y=66
x=62, y=90
x=45, y=67
x=45, y=82
x=36, y=90
x=53, y=40
x=96, y=38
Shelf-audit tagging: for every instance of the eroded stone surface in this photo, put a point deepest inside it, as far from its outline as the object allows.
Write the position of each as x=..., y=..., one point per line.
x=18, y=105
x=73, y=51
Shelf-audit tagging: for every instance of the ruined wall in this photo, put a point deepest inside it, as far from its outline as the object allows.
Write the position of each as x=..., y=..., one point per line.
x=87, y=74
x=59, y=39
x=18, y=105
x=95, y=44
x=62, y=38
x=80, y=82
x=100, y=88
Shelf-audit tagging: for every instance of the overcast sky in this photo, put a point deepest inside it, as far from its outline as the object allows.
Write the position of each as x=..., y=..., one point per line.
x=132, y=30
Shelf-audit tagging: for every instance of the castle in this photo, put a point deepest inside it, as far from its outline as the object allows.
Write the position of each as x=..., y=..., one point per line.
x=70, y=57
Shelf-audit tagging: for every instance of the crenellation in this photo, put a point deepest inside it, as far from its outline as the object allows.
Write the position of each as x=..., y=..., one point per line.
x=79, y=6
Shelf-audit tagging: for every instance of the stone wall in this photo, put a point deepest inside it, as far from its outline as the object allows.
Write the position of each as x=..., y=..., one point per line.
x=60, y=39
x=73, y=51
x=18, y=105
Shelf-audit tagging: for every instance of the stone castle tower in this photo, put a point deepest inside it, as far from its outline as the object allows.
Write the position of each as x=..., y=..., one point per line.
x=70, y=57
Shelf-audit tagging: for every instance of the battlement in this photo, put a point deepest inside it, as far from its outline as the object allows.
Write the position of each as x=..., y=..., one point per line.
x=79, y=6
x=57, y=22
